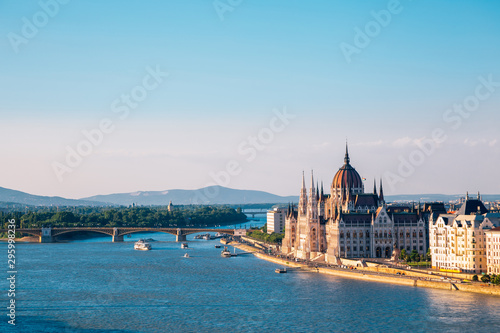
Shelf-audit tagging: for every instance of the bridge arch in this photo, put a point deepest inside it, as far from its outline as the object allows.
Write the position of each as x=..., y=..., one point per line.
x=56, y=233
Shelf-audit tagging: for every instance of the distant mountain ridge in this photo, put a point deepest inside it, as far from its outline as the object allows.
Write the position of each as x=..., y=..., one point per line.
x=8, y=196
x=206, y=195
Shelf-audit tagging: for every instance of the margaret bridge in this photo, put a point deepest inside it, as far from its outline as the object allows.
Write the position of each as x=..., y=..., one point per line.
x=48, y=235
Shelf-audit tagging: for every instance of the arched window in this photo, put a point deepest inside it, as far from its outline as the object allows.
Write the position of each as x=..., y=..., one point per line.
x=341, y=234
x=408, y=234
x=414, y=233
x=385, y=234
x=348, y=235
x=420, y=234
x=367, y=234
x=354, y=234
x=401, y=234
x=360, y=234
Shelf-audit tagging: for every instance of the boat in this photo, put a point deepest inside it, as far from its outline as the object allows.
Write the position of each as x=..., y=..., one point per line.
x=186, y=255
x=142, y=245
x=219, y=235
x=225, y=253
x=198, y=237
x=217, y=246
x=184, y=246
x=207, y=237
x=225, y=241
x=280, y=270
x=150, y=240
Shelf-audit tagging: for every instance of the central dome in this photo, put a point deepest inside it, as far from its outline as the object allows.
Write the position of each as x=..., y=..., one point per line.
x=347, y=177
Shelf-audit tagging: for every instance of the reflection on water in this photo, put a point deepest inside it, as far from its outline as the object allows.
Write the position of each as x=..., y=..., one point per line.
x=96, y=286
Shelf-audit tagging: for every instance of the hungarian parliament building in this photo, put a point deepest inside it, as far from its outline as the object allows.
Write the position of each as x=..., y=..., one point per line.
x=350, y=223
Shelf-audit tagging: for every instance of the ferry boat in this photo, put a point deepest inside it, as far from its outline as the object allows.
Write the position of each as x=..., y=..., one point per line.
x=142, y=245
x=184, y=246
x=280, y=270
x=225, y=253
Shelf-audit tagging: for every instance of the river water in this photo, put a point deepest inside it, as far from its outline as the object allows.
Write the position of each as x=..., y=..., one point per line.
x=99, y=286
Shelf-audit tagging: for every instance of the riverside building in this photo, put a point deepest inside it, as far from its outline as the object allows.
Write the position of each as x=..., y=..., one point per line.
x=459, y=240
x=275, y=220
x=350, y=223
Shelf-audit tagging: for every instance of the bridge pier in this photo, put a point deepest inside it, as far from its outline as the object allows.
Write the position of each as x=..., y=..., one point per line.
x=180, y=237
x=116, y=236
x=46, y=236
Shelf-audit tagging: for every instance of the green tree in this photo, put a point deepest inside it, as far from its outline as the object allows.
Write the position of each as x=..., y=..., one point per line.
x=402, y=255
x=485, y=278
x=474, y=278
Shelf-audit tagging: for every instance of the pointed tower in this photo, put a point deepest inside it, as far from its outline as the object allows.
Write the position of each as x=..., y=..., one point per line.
x=381, y=197
x=312, y=207
x=347, y=160
x=303, y=197
x=374, y=187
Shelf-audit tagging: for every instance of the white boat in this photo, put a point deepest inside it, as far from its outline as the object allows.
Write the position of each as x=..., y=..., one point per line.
x=184, y=246
x=142, y=245
x=207, y=237
x=186, y=255
x=225, y=253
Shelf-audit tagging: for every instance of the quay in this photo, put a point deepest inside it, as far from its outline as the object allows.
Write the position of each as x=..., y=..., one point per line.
x=377, y=273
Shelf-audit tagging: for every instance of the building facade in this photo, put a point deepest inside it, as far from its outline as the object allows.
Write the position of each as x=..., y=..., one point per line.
x=350, y=223
x=276, y=220
x=459, y=240
x=493, y=250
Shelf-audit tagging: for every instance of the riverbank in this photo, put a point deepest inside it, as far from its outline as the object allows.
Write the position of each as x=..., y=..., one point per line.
x=376, y=274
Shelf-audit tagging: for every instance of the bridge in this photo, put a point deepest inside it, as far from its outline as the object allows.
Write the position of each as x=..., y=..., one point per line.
x=254, y=212
x=47, y=235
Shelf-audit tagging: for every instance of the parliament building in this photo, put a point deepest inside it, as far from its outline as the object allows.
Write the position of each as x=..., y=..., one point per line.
x=350, y=223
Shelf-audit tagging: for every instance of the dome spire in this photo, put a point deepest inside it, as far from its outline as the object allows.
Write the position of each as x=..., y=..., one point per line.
x=346, y=158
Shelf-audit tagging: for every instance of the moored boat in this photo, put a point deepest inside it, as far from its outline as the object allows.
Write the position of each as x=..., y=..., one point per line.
x=184, y=246
x=280, y=270
x=225, y=253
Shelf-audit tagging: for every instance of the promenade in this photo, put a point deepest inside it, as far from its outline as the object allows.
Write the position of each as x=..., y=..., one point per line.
x=410, y=278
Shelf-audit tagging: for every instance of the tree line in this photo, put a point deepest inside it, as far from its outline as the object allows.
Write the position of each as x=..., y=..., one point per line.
x=144, y=217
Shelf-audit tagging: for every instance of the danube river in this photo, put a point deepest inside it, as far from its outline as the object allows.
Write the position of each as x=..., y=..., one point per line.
x=99, y=286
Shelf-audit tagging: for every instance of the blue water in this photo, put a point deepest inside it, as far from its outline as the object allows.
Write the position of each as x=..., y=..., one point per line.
x=99, y=286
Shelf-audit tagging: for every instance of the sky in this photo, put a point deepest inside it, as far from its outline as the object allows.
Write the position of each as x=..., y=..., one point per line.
x=100, y=97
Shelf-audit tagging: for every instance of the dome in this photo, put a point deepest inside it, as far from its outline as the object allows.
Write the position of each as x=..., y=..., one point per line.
x=347, y=177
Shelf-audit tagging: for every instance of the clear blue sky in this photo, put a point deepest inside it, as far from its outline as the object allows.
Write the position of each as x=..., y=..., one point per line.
x=225, y=78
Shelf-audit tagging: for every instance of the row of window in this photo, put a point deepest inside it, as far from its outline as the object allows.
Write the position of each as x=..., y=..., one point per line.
x=381, y=234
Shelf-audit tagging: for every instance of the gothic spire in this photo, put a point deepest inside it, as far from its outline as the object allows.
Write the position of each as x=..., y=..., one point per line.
x=381, y=192
x=374, y=187
x=346, y=158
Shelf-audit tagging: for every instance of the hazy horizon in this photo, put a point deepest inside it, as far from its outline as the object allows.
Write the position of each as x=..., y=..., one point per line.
x=117, y=97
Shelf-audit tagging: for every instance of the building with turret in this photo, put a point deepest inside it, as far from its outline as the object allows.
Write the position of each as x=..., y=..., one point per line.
x=350, y=223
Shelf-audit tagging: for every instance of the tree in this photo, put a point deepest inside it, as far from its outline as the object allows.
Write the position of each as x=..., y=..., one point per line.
x=413, y=255
x=485, y=278
x=402, y=255
x=428, y=256
x=474, y=278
